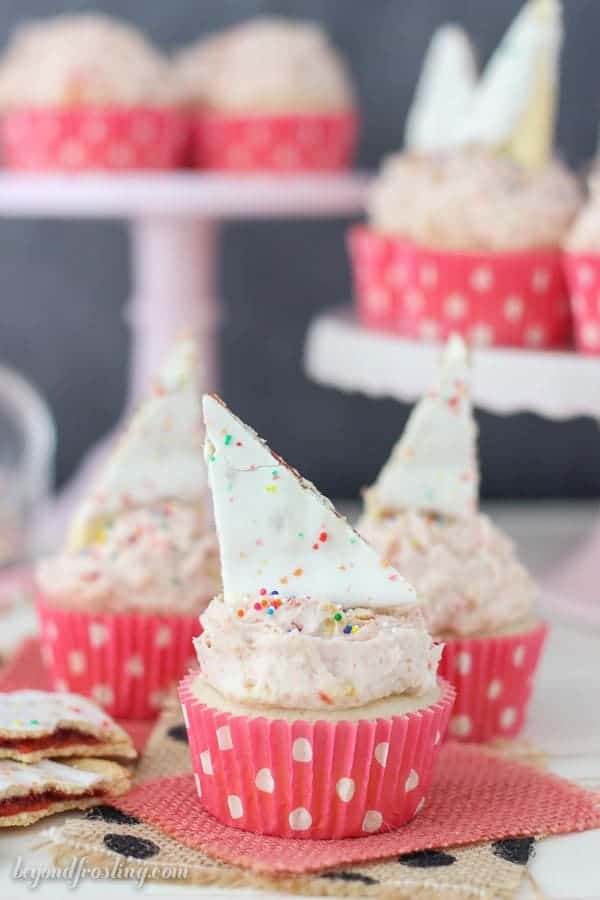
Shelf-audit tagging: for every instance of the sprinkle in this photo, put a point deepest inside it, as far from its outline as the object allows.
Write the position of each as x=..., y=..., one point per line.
x=277, y=603
x=347, y=629
x=298, y=572
x=264, y=603
x=212, y=457
x=228, y=440
x=34, y=722
x=300, y=534
x=315, y=546
x=338, y=617
x=354, y=629
x=325, y=697
x=271, y=489
x=270, y=611
x=323, y=537
x=238, y=444
x=257, y=606
x=240, y=613
x=275, y=593
x=262, y=592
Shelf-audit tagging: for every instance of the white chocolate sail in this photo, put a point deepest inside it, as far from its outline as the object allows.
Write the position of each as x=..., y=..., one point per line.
x=160, y=455
x=277, y=533
x=444, y=91
x=513, y=109
x=433, y=467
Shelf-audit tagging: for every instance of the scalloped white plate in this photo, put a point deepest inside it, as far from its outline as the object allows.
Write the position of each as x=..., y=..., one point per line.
x=559, y=385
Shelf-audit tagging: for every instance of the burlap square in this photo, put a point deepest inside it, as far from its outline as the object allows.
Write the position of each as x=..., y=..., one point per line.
x=107, y=835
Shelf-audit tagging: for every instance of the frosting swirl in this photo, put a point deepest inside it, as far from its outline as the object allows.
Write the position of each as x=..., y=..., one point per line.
x=585, y=234
x=88, y=59
x=163, y=558
x=267, y=65
x=473, y=200
x=305, y=653
x=465, y=569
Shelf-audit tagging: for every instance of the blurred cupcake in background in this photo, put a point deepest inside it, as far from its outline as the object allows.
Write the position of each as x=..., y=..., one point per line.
x=269, y=94
x=88, y=92
x=465, y=227
x=422, y=515
x=582, y=265
x=119, y=607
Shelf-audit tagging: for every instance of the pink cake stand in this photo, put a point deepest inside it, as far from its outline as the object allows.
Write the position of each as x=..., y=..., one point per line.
x=173, y=221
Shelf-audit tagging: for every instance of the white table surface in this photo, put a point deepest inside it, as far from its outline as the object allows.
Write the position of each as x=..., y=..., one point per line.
x=564, y=721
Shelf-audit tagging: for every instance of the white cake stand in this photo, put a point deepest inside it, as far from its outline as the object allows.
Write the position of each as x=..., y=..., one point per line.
x=173, y=224
x=341, y=353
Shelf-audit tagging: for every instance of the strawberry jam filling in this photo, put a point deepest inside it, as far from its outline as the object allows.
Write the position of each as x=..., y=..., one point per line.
x=63, y=737
x=12, y=806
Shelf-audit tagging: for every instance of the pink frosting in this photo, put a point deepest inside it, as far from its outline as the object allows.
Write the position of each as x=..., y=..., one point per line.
x=473, y=200
x=584, y=237
x=86, y=59
x=311, y=654
x=163, y=558
x=266, y=65
x=465, y=569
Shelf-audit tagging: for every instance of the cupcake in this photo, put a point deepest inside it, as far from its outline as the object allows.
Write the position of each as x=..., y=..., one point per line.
x=582, y=266
x=269, y=94
x=119, y=607
x=465, y=227
x=317, y=712
x=87, y=92
x=421, y=514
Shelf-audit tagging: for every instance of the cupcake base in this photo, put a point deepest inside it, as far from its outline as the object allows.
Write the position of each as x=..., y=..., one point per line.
x=517, y=299
x=313, y=779
x=90, y=138
x=126, y=662
x=493, y=677
x=274, y=143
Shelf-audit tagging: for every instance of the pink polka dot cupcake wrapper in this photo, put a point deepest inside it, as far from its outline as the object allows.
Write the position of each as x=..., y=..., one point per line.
x=515, y=299
x=493, y=678
x=87, y=139
x=281, y=143
x=583, y=276
x=318, y=780
x=126, y=662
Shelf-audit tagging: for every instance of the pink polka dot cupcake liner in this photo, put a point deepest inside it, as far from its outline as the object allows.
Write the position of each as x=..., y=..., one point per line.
x=583, y=276
x=87, y=139
x=316, y=780
x=126, y=662
x=515, y=299
x=284, y=143
x=493, y=678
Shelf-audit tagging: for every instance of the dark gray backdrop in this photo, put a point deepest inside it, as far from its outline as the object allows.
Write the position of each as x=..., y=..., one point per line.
x=64, y=284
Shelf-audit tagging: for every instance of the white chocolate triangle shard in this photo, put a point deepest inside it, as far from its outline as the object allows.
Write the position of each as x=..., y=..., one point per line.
x=433, y=467
x=278, y=533
x=444, y=91
x=513, y=108
x=159, y=456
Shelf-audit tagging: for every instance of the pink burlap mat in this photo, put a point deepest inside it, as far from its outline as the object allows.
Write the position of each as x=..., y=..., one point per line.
x=25, y=669
x=475, y=796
